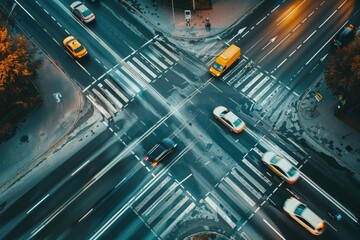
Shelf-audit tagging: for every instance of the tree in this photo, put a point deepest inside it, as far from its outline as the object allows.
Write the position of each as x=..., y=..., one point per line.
x=17, y=70
x=342, y=73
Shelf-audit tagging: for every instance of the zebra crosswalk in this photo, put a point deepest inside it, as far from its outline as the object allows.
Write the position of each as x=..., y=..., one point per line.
x=113, y=91
x=234, y=199
x=250, y=80
x=165, y=205
x=242, y=191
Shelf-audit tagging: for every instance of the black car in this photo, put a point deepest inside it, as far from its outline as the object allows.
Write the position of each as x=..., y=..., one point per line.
x=160, y=151
x=345, y=36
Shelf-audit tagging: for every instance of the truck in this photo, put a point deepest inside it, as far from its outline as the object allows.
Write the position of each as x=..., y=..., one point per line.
x=225, y=60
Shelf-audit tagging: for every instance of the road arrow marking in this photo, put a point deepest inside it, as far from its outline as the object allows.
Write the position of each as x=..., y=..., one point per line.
x=270, y=42
x=238, y=33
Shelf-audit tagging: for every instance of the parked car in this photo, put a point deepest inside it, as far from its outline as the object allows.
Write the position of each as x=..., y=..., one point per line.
x=160, y=151
x=74, y=47
x=304, y=216
x=229, y=119
x=345, y=36
x=82, y=12
x=281, y=166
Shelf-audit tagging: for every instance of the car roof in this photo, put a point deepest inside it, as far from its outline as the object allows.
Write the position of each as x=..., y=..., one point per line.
x=283, y=163
x=231, y=116
x=347, y=30
x=156, y=151
x=82, y=8
x=73, y=43
x=159, y=148
x=311, y=217
x=167, y=142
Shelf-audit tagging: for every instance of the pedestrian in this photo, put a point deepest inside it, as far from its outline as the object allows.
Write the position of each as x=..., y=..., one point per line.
x=207, y=24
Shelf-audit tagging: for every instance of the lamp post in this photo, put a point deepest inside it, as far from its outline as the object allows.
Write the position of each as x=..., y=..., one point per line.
x=172, y=5
x=12, y=9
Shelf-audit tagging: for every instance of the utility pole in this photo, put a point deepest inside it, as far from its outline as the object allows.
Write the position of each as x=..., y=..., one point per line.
x=12, y=9
x=173, y=13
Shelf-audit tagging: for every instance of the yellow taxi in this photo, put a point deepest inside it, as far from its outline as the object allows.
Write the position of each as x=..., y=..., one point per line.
x=74, y=47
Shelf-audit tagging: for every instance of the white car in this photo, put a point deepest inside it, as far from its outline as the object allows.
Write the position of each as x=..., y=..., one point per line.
x=229, y=119
x=281, y=167
x=304, y=216
x=82, y=12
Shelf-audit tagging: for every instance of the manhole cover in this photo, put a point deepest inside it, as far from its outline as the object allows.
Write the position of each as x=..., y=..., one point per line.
x=348, y=148
x=24, y=138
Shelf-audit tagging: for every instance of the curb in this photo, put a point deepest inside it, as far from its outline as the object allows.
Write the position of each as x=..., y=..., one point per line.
x=24, y=170
x=178, y=37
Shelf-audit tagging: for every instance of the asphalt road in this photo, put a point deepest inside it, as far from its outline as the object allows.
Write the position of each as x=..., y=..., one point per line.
x=214, y=179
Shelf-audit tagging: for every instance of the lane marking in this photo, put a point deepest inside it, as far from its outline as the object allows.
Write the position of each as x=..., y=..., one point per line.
x=272, y=228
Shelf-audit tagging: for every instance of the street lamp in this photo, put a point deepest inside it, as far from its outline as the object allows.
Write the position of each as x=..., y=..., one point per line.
x=172, y=5
x=12, y=9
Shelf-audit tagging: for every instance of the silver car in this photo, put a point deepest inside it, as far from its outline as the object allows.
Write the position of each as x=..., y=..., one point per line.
x=229, y=119
x=281, y=166
x=304, y=216
x=82, y=12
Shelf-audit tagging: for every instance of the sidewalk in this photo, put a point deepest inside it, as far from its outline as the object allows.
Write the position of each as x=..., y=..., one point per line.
x=171, y=22
x=324, y=130
x=44, y=126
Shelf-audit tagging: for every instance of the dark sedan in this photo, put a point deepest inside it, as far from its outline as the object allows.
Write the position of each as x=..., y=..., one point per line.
x=160, y=151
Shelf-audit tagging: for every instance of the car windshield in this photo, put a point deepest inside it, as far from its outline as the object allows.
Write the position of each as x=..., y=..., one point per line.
x=275, y=160
x=164, y=145
x=299, y=210
x=86, y=13
x=237, y=122
x=292, y=171
x=79, y=49
x=217, y=67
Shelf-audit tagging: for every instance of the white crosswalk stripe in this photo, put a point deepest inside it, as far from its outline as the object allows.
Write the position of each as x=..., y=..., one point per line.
x=220, y=212
x=132, y=77
x=139, y=73
x=246, y=184
x=259, y=95
x=160, y=55
x=178, y=219
x=164, y=206
x=258, y=86
x=105, y=101
x=256, y=171
x=257, y=77
x=117, y=103
x=170, y=213
x=251, y=179
x=157, y=212
x=231, y=195
x=227, y=208
x=116, y=90
x=153, y=75
x=240, y=192
x=167, y=51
